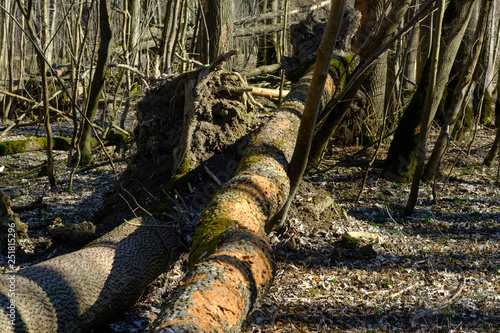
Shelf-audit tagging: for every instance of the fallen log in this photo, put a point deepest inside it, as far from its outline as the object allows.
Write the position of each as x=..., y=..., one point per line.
x=33, y=144
x=76, y=292
x=79, y=291
x=11, y=147
x=231, y=261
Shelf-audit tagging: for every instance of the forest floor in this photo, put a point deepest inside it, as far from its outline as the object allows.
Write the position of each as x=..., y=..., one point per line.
x=438, y=270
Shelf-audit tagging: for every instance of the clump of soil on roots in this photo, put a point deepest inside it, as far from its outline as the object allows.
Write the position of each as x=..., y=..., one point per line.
x=190, y=129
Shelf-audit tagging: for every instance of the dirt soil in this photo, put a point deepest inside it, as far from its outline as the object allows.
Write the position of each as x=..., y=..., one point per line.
x=341, y=265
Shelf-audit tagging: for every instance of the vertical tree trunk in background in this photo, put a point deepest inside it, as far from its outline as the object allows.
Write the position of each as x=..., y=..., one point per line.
x=135, y=12
x=493, y=60
x=375, y=84
x=97, y=82
x=401, y=158
x=428, y=115
x=49, y=13
x=483, y=77
x=220, y=18
x=458, y=98
x=169, y=32
x=410, y=73
x=8, y=51
x=45, y=98
x=424, y=44
x=495, y=148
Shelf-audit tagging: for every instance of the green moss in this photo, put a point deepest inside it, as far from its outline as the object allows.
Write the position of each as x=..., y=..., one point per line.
x=207, y=237
x=86, y=157
x=339, y=65
x=116, y=138
x=212, y=226
x=487, y=111
x=443, y=106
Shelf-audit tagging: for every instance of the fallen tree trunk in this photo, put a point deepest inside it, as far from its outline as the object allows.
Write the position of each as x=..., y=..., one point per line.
x=230, y=259
x=11, y=147
x=33, y=144
x=76, y=292
x=81, y=290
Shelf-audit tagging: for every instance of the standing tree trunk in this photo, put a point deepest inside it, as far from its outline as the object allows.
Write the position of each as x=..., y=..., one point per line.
x=220, y=18
x=401, y=159
x=429, y=113
x=39, y=46
x=375, y=84
x=495, y=148
x=410, y=73
x=458, y=97
x=97, y=82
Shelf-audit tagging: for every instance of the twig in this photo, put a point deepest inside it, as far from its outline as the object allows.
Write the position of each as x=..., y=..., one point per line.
x=249, y=95
x=98, y=164
x=211, y=174
x=402, y=291
x=437, y=308
x=150, y=225
x=188, y=61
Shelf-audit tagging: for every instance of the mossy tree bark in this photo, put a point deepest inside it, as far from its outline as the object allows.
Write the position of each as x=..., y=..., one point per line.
x=401, y=159
x=495, y=148
x=230, y=259
x=34, y=144
x=97, y=83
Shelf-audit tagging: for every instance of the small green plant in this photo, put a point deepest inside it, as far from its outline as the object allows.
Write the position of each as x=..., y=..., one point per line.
x=386, y=284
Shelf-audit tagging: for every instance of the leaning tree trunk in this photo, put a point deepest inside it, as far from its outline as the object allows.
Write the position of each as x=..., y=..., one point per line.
x=401, y=159
x=231, y=261
x=97, y=82
x=428, y=112
x=458, y=97
x=330, y=122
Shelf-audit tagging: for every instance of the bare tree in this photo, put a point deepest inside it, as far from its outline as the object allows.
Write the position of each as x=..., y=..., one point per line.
x=97, y=83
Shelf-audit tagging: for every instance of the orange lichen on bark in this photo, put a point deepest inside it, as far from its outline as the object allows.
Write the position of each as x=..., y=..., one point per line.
x=257, y=261
x=245, y=212
x=221, y=303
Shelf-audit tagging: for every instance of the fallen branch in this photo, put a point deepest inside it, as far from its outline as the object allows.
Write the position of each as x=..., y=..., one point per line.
x=269, y=93
x=38, y=203
x=437, y=308
x=302, y=9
